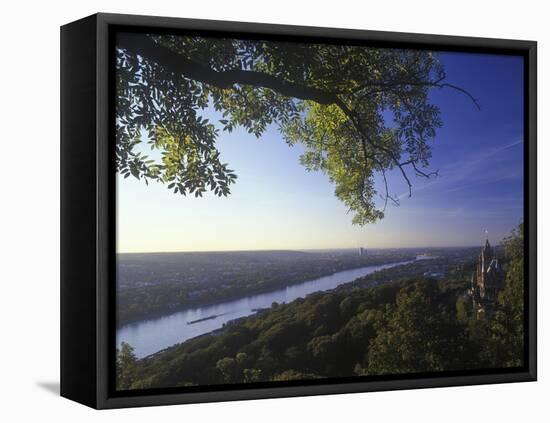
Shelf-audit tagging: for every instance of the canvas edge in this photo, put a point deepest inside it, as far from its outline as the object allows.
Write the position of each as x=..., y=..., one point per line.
x=78, y=333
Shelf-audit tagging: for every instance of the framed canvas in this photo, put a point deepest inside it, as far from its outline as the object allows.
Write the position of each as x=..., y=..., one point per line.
x=257, y=211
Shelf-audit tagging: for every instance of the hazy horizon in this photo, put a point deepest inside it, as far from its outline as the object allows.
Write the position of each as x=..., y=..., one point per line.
x=307, y=250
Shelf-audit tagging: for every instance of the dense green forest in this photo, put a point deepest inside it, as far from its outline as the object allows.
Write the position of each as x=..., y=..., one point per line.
x=411, y=325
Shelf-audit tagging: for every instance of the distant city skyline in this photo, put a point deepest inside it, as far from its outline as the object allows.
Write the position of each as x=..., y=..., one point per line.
x=276, y=204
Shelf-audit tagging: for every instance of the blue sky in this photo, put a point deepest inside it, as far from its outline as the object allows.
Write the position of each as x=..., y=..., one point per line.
x=277, y=204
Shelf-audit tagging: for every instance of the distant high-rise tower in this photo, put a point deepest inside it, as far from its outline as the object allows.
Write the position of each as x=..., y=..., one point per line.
x=362, y=251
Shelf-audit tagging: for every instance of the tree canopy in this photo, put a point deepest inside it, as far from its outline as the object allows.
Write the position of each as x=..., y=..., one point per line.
x=358, y=111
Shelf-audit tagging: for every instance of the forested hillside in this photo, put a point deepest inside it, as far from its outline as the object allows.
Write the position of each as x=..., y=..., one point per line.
x=411, y=325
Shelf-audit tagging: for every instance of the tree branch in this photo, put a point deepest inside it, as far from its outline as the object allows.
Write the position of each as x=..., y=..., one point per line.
x=424, y=174
x=436, y=83
x=351, y=116
x=144, y=46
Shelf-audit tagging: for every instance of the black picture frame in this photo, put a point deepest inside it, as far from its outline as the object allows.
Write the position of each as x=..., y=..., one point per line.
x=88, y=211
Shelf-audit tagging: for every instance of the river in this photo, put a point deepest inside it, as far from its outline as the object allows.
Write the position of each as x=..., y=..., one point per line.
x=152, y=335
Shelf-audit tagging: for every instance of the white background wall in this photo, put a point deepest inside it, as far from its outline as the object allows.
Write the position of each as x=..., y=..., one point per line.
x=29, y=209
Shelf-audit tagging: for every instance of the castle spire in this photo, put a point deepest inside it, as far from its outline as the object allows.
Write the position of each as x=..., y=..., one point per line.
x=487, y=279
x=487, y=244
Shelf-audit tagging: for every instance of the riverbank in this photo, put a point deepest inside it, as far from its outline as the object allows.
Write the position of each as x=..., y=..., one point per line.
x=169, y=310
x=153, y=335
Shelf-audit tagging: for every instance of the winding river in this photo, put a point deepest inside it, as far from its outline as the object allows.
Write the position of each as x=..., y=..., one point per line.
x=150, y=336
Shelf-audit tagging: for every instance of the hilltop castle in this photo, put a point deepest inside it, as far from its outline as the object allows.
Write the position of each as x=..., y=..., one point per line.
x=487, y=280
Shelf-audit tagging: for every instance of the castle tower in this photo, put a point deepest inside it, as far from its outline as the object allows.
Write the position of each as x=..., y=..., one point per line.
x=487, y=280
